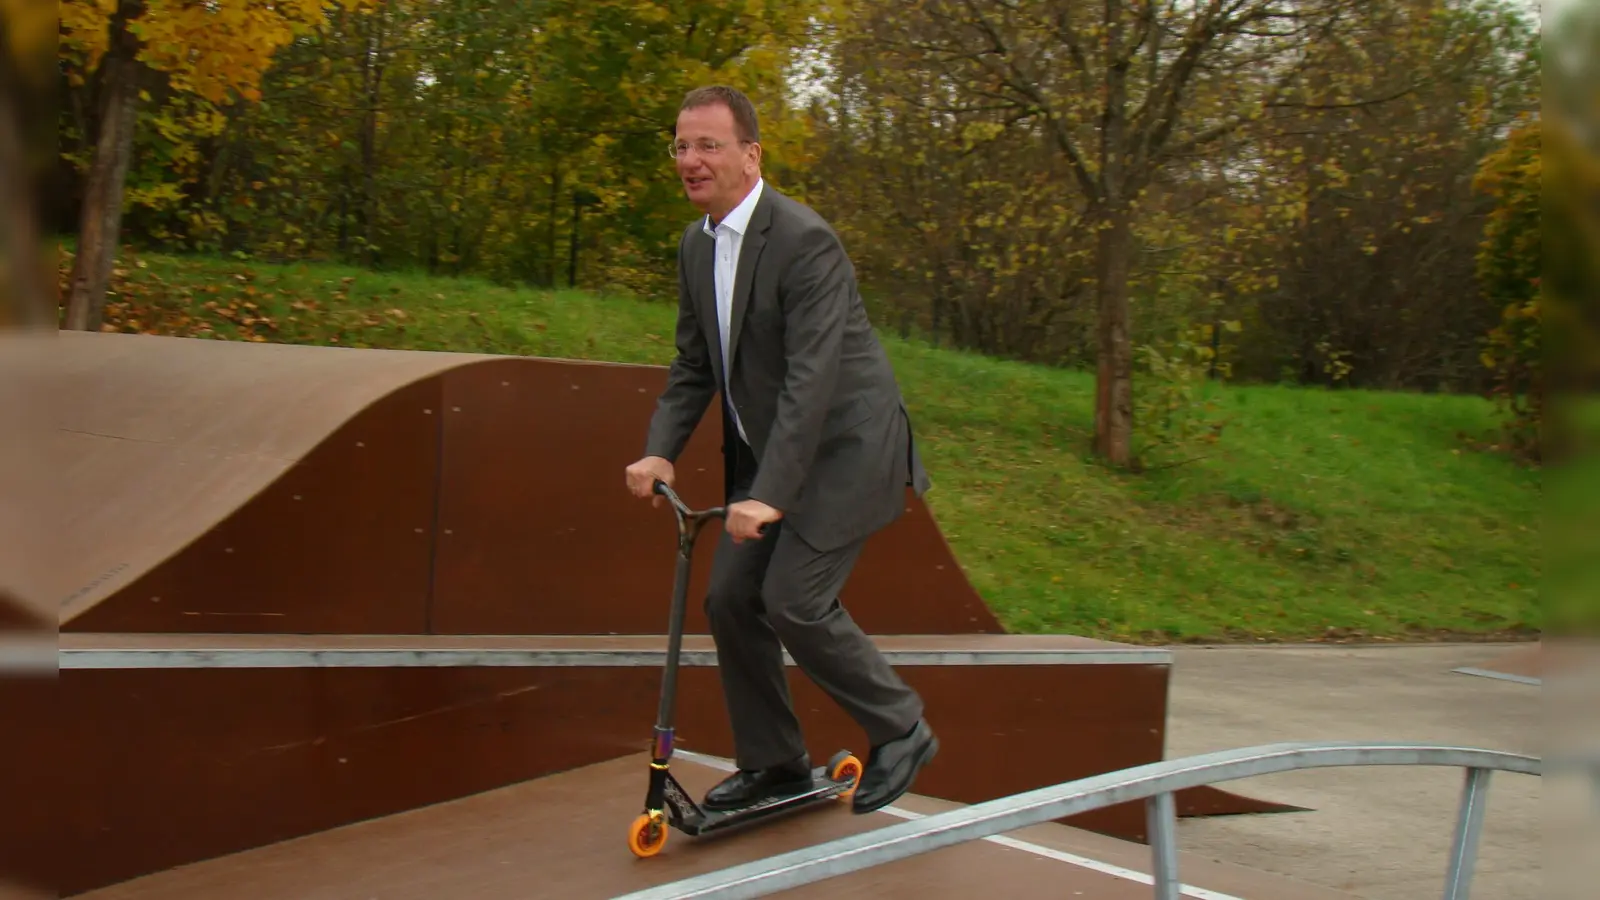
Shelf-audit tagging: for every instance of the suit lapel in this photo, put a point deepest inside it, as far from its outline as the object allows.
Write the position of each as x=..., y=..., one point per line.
x=755, y=240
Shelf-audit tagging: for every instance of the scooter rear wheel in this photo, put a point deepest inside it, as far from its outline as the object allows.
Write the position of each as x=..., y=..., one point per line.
x=647, y=835
x=845, y=767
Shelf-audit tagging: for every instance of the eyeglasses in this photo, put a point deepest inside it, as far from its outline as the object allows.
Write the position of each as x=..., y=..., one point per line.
x=704, y=147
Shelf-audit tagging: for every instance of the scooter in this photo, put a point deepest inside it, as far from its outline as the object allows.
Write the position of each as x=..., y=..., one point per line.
x=666, y=802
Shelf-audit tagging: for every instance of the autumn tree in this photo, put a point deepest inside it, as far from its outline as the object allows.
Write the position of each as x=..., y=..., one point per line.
x=1351, y=227
x=217, y=50
x=1121, y=89
x=964, y=226
x=518, y=140
x=1339, y=226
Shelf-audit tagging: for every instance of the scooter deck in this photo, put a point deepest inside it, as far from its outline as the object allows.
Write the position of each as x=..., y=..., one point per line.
x=695, y=820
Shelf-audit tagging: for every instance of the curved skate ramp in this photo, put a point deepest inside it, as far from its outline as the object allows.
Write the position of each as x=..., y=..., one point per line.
x=240, y=487
x=162, y=440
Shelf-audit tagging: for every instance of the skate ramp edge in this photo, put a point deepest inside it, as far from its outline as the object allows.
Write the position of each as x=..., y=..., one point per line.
x=564, y=835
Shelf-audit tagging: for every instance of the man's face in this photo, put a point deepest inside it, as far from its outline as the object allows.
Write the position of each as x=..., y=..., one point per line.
x=715, y=182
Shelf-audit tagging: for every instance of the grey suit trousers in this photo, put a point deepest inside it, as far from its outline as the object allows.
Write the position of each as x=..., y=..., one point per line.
x=780, y=592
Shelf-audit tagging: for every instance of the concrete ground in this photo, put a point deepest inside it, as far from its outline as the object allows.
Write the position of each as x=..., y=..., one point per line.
x=1378, y=833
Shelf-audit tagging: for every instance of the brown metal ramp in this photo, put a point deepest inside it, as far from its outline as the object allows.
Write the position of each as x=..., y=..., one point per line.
x=219, y=486
x=564, y=836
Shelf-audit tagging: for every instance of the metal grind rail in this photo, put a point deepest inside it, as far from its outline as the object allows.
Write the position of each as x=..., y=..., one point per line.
x=1155, y=783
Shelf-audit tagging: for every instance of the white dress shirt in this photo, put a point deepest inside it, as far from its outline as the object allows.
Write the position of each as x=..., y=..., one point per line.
x=729, y=234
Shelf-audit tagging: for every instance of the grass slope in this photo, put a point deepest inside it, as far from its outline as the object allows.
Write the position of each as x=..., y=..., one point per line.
x=1322, y=515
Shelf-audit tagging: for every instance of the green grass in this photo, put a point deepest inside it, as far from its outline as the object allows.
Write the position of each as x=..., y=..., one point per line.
x=1320, y=515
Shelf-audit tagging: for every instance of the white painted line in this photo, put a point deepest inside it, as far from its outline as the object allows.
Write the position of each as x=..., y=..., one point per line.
x=1083, y=862
x=1503, y=676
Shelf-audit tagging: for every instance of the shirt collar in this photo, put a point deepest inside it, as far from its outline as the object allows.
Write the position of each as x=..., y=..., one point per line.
x=739, y=219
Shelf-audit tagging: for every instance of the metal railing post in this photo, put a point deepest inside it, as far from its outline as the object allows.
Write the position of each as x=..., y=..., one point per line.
x=1469, y=827
x=1161, y=817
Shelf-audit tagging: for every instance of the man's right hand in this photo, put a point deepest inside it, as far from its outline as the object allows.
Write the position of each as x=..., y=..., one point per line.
x=643, y=475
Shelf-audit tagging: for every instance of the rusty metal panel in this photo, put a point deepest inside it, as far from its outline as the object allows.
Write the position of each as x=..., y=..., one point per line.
x=31, y=853
x=340, y=542
x=537, y=532
x=539, y=536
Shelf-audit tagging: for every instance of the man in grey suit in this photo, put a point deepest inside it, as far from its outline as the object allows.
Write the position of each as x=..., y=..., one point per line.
x=817, y=454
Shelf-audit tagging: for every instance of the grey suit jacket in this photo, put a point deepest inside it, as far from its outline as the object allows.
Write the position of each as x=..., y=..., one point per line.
x=812, y=384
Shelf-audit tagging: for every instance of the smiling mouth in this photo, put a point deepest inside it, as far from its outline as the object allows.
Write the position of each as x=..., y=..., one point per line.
x=696, y=181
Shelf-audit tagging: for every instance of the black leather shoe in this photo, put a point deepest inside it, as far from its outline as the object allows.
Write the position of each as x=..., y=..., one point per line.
x=745, y=786
x=892, y=767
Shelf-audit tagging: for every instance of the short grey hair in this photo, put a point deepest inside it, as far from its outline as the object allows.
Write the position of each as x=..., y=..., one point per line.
x=744, y=112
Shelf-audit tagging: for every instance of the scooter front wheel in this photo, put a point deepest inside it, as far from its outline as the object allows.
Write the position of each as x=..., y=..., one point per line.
x=648, y=835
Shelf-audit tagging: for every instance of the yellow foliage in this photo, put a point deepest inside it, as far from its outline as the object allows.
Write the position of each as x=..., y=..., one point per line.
x=217, y=50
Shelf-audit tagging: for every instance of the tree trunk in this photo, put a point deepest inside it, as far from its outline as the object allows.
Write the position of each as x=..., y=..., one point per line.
x=553, y=211
x=1113, y=404
x=572, y=243
x=101, y=224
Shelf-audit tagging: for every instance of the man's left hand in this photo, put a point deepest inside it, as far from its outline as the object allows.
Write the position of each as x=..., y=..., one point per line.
x=746, y=517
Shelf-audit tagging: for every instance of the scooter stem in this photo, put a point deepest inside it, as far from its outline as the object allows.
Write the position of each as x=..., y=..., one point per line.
x=669, y=683
x=689, y=524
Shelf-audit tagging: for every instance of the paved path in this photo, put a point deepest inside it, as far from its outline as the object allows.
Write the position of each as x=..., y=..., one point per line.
x=1378, y=833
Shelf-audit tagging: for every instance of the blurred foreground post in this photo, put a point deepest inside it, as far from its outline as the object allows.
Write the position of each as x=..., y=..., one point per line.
x=29, y=866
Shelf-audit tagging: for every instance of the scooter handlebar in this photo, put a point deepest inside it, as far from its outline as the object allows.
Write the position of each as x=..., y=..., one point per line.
x=715, y=512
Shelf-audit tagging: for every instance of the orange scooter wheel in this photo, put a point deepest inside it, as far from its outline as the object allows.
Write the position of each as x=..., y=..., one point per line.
x=846, y=769
x=647, y=836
